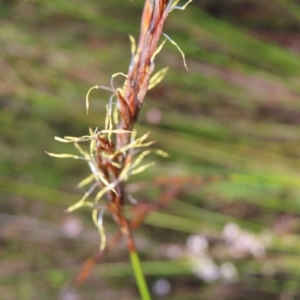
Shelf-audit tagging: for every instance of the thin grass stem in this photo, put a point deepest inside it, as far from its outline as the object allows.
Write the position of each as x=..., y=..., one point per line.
x=139, y=276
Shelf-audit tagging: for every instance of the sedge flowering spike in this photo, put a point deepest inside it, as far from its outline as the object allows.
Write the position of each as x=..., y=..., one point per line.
x=117, y=152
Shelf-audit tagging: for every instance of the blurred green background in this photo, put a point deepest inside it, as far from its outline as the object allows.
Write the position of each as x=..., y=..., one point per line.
x=234, y=115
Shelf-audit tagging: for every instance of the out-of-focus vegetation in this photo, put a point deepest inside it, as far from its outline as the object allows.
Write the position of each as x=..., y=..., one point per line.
x=232, y=120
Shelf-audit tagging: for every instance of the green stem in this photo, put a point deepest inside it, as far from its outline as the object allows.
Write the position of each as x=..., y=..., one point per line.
x=139, y=276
